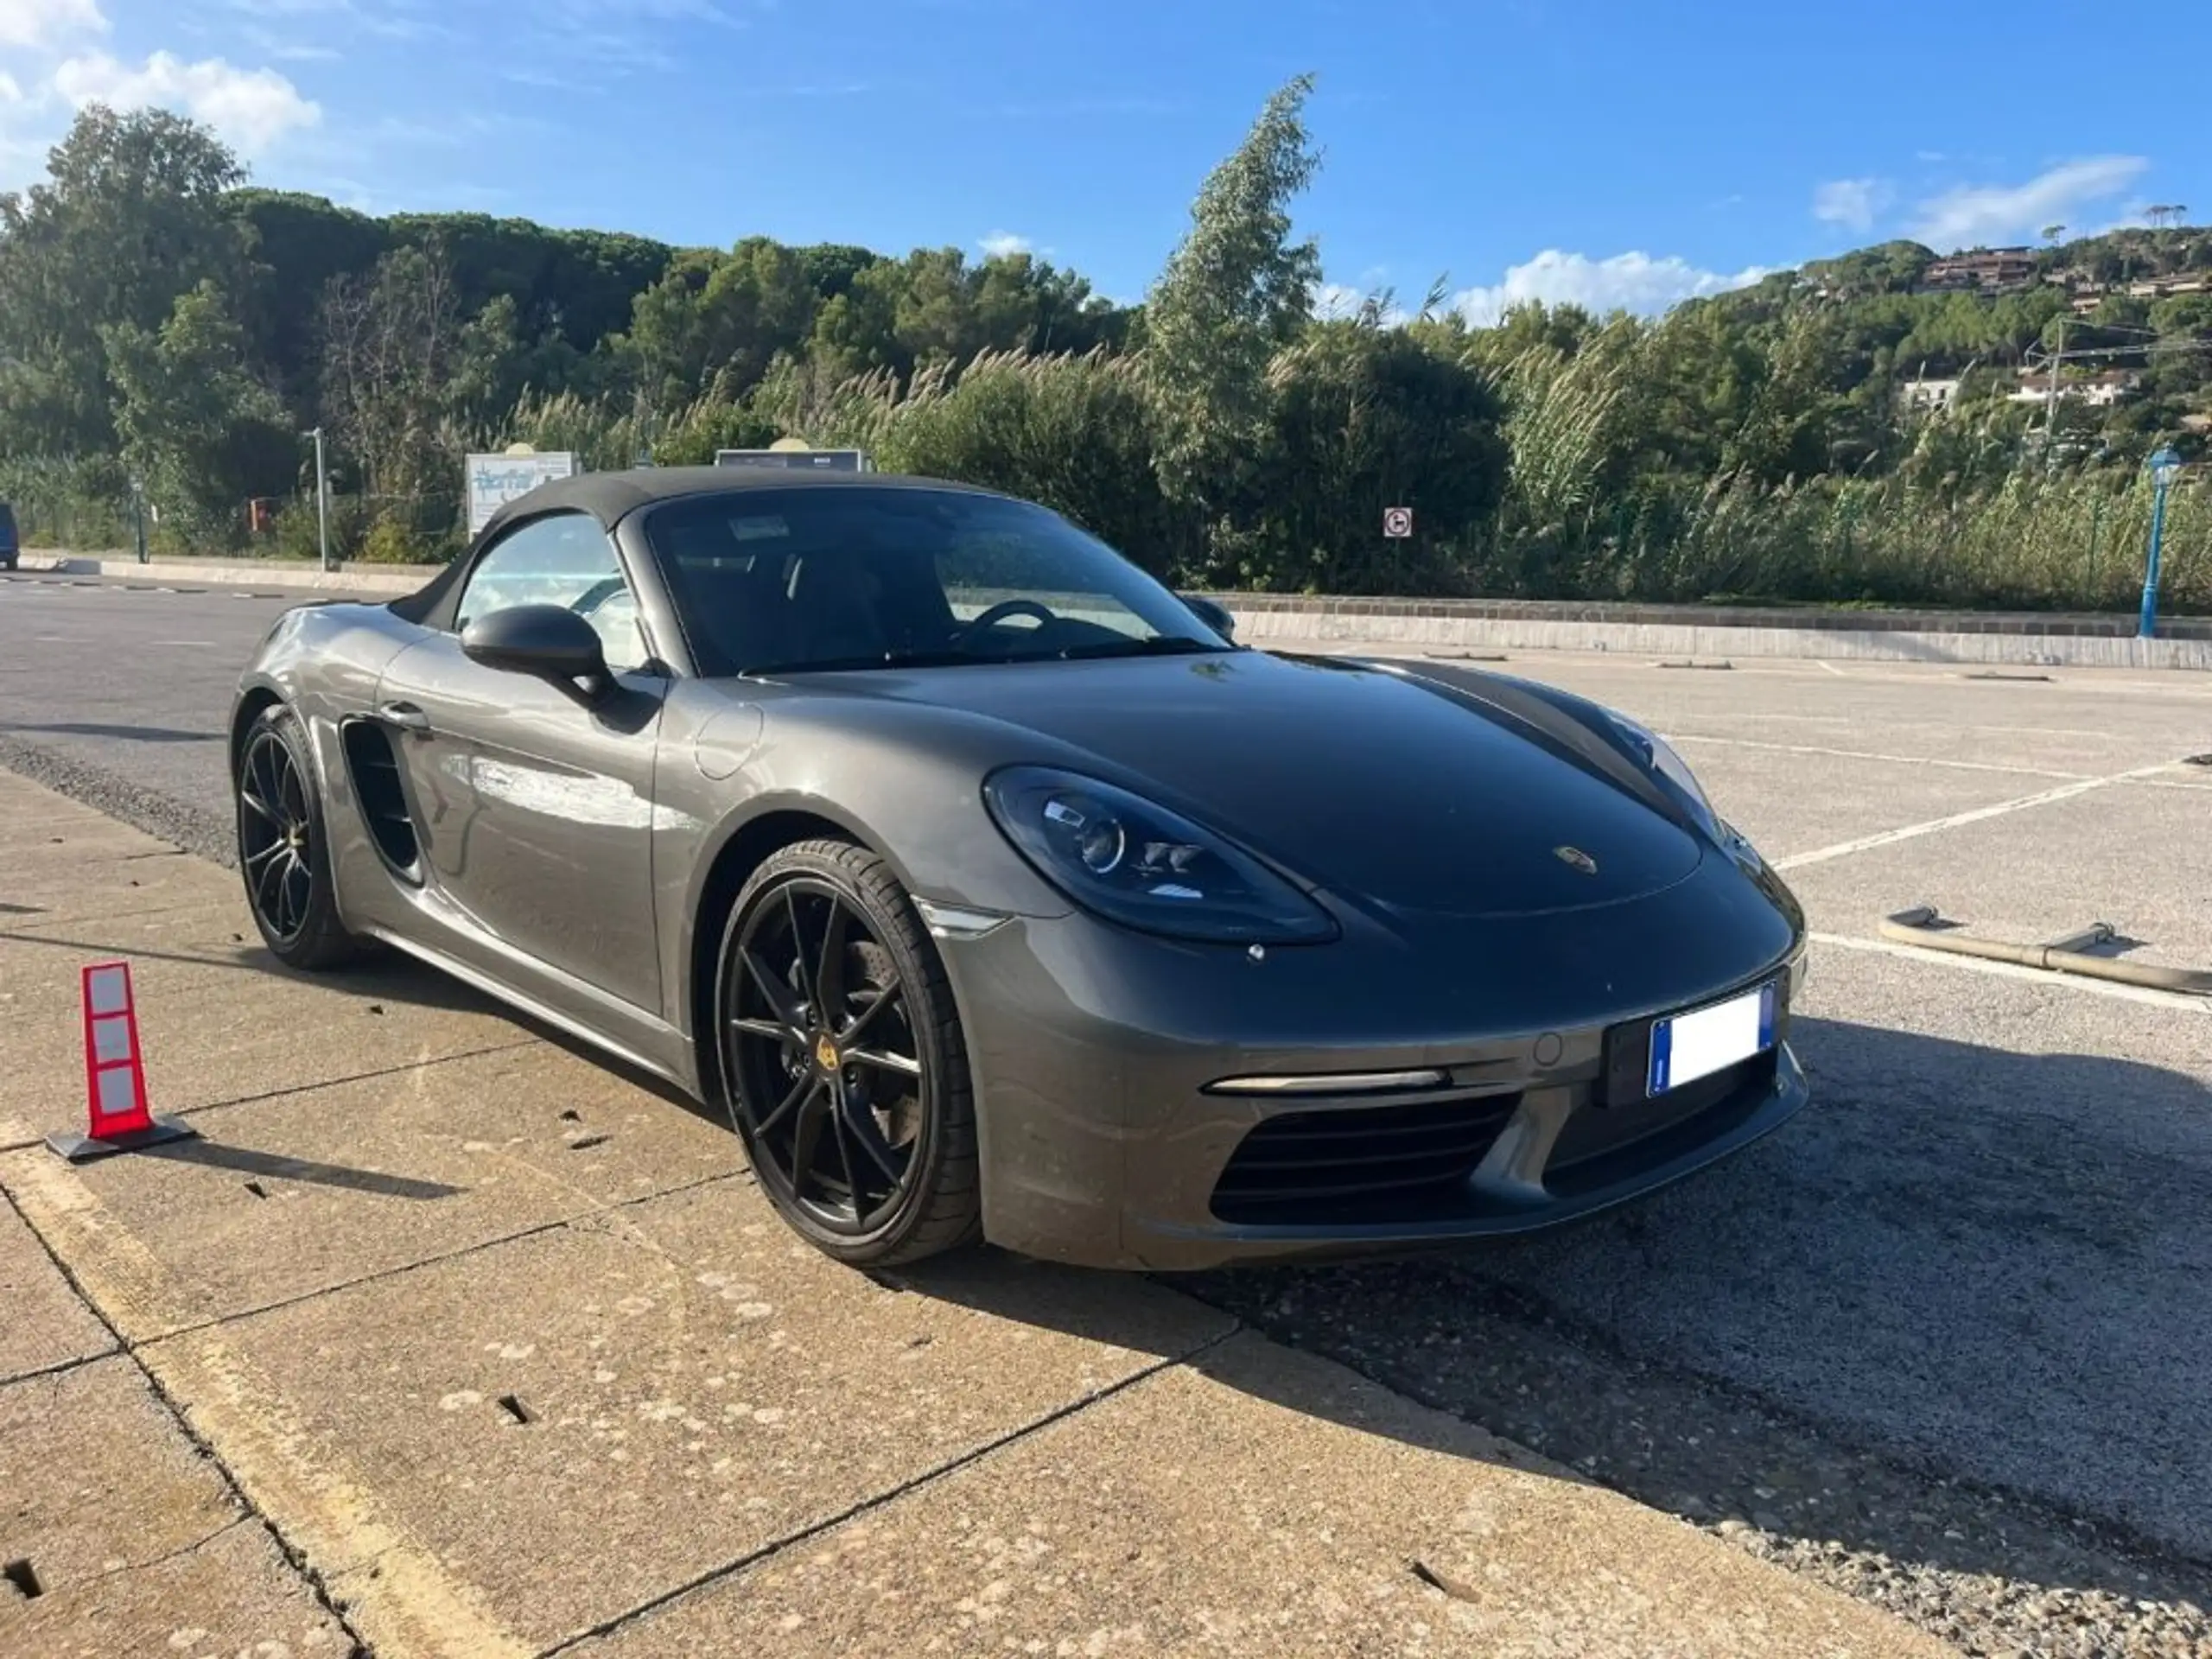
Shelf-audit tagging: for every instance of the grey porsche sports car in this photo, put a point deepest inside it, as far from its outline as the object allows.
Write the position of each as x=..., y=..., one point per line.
x=997, y=892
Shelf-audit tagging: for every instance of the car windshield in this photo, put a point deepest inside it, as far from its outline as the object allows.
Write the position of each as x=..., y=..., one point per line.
x=821, y=580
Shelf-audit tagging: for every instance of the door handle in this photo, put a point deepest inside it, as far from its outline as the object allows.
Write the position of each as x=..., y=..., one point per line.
x=405, y=715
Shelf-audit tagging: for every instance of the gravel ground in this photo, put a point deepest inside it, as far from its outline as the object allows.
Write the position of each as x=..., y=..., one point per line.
x=1992, y=1572
x=181, y=824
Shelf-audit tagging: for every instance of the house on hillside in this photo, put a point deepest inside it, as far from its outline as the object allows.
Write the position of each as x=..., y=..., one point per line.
x=1938, y=394
x=2099, y=390
x=1987, y=270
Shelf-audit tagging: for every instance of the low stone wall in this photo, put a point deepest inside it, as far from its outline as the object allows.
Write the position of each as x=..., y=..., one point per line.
x=1705, y=631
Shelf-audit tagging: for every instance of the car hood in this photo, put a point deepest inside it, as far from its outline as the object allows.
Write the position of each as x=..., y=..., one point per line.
x=1382, y=787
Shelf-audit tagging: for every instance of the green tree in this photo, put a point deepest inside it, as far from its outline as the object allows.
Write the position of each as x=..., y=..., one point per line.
x=1361, y=418
x=393, y=344
x=132, y=215
x=1236, y=291
x=199, y=431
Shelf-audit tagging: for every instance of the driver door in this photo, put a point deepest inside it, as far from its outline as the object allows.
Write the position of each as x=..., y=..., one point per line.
x=533, y=801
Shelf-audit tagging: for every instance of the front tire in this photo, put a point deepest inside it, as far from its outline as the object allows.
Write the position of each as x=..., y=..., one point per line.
x=283, y=853
x=843, y=1058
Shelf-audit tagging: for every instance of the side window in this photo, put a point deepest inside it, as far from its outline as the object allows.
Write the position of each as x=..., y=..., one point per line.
x=563, y=559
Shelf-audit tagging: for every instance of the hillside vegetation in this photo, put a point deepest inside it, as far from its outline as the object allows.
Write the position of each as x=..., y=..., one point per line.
x=1883, y=427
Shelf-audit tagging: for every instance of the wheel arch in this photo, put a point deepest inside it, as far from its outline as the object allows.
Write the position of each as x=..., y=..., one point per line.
x=254, y=699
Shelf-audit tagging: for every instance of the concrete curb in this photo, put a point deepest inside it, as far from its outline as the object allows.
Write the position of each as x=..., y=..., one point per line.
x=1993, y=640
x=238, y=573
x=1871, y=645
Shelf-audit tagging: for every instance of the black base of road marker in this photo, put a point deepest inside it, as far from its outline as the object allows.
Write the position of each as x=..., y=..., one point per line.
x=82, y=1148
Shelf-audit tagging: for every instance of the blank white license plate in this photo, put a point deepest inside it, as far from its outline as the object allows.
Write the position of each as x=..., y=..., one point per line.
x=1687, y=1047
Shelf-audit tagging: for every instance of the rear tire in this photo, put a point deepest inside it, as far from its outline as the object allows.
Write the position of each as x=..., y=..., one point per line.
x=283, y=852
x=844, y=1065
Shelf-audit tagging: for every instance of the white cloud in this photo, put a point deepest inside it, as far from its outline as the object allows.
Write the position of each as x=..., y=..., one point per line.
x=1977, y=214
x=251, y=108
x=1334, y=300
x=46, y=23
x=1003, y=245
x=1853, y=203
x=1627, y=281
x=1343, y=301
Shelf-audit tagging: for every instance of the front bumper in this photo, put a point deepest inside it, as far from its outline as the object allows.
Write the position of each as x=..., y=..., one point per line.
x=1093, y=1050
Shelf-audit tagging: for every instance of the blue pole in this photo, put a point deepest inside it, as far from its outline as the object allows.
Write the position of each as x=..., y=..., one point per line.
x=2148, y=627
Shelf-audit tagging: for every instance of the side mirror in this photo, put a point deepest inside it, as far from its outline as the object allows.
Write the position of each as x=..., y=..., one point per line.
x=550, y=641
x=1214, y=615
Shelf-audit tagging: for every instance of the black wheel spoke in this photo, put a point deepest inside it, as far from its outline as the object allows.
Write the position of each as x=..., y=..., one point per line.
x=856, y=1027
x=883, y=1060
x=800, y=964
x=808, y=1042
x=293, y=794
x=275, y=827
x=269, y=780
x=806, y=1085
x=295, y=890
x=778, y=993
x=841, y=1125
x=829, y=976
x=266, y=882
x=814, y=1111
x=861, y=1125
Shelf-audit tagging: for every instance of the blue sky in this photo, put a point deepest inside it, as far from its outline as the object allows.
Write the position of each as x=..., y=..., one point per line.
x=1610, y=152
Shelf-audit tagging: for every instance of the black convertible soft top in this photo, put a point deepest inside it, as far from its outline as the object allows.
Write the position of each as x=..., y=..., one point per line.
x=612, y=497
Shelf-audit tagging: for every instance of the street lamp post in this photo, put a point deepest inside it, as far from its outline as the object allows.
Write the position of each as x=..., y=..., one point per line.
x=2166, y=467
x=321, y=499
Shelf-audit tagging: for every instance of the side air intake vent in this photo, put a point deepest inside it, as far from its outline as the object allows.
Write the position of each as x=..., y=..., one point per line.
x=384, y=800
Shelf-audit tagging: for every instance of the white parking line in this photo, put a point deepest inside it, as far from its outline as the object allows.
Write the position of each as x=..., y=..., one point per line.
x=2015, y=970
x=1912, y=832
x=1831, y=668
x=1863, y=754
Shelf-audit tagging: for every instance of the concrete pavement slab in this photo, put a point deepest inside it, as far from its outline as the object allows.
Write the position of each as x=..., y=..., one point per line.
x=212, y=1035
x=96, y=1478
x=112, y=882
x=301, y=1191
x=232, y=1597
x=1263, y=1502
x=42, y=1323
x=698, y=1385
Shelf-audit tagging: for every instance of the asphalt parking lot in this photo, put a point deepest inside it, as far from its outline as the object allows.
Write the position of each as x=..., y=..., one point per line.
x=1943, y=1344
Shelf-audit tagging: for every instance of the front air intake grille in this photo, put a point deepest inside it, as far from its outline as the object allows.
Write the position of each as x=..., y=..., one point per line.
x=1359, y=1163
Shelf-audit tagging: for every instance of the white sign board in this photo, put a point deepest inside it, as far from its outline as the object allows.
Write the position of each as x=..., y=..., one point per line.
x=494, y=480
x=1398, y=522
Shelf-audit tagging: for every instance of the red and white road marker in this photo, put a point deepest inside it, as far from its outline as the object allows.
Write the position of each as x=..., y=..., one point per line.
x=115, y=1074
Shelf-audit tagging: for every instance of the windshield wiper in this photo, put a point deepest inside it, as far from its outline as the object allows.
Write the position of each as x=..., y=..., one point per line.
x=1162, y=645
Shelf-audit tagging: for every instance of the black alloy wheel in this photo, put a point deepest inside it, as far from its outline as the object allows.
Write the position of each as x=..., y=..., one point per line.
x=282, y=857
x=843, y=1058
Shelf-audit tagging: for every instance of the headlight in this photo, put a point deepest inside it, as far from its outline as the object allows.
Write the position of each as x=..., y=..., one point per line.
x=1141, y=865
x=1659, y=754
